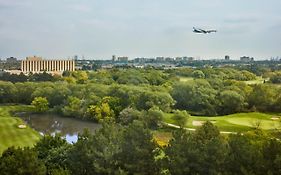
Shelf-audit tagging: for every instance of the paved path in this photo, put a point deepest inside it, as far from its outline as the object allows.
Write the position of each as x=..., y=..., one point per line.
x=192, y=129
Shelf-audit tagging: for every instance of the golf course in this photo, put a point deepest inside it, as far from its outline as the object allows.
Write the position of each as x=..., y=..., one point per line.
x=10, y=133
x=240, y=122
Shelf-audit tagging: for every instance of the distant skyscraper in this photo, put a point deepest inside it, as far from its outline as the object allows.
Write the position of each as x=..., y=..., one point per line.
x=75, y=57
x=123, y=59
x=113, y=58
x=246, y=59
x=11, y=60
x=160, y=59
x=227, y=57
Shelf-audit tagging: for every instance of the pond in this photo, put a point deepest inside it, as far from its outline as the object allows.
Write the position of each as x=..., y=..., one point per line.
x=53, y=124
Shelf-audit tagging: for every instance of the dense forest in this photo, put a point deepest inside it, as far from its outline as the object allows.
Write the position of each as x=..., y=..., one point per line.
x=207, y=91
x=130, y=104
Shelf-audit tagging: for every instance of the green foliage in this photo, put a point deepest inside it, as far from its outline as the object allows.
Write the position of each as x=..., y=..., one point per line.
x=73, y=107
x=41, y=104
x=198, y=74
x=180, y=117
x=153, y=117
x=102, y=111
x=275, y=78
x=7, y=92
x=21, y=162
x=114, y=149
x=53, y=151
x=230, y=102
x=263, y=97
x=196, y=153
x=128, y=115
x=138, y=150
x=80, y=76
x=195, y=96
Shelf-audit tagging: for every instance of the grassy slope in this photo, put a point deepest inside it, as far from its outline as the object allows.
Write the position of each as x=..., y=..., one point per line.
x=259, y=80
x=10, y=134
x=235, y=122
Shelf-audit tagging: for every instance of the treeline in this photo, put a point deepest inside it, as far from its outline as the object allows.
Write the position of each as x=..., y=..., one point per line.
x=131, y=149
x=217, y=73
x=94, y=95
x=37, y=77
x=216, y=97
x=88, y=101
x=199, y=97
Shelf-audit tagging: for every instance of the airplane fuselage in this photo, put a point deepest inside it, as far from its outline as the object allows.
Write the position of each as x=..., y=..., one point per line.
x=197, y=30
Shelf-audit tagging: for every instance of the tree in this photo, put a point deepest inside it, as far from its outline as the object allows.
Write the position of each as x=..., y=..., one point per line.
x=53, y=151
x=146, y=99
x=138, y=150
x=96, y=154
x=81, y=76
x=198, y=74
x=21, y=162
x=101, y=111
x=263, y=97
x=272, y=156
x=197, y=96
x=276, y=78
x=7, y=92
x=230, y=102
x=180, y=117
x=153, y=117
x=24, y=92
x=181, y=154
x=128, y=115
x=41, y=104
x=244, y=156
x=203, y=152
x=73, y=107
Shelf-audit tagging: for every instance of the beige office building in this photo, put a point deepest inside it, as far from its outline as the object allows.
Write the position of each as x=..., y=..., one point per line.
x=37, y=64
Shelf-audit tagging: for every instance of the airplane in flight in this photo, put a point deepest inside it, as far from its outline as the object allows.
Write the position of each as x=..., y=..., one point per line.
x=197, y=30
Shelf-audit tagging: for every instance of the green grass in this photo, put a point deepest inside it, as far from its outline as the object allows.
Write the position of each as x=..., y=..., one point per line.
x=10, y=134
x=239, y=122
x=259, y=80
x=185, y=79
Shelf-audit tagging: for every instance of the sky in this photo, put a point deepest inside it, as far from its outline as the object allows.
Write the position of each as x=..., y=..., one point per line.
x=99, y=29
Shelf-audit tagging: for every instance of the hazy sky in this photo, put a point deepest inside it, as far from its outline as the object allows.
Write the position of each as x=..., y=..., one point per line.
x=139, y=28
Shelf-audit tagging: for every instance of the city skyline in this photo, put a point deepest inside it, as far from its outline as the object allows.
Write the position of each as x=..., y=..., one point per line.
x=99, y=29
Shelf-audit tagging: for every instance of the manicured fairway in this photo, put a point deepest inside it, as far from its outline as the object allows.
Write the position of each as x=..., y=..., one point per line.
x=239, y=122
x=10, y=134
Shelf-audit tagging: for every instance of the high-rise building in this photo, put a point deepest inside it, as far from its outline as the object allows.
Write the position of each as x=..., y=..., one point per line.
x=227, y=57
x=123, y=59
x=37, y=65
x=11, y=60
x=113, y=58
x=246, y=59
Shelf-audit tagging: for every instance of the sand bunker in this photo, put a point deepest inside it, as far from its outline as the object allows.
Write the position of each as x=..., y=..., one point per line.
x=22, y=126
x=200, y=123
x=197, y=123
x=275, y=118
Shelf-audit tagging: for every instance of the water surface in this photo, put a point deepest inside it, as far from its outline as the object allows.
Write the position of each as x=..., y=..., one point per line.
x=52, y=124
